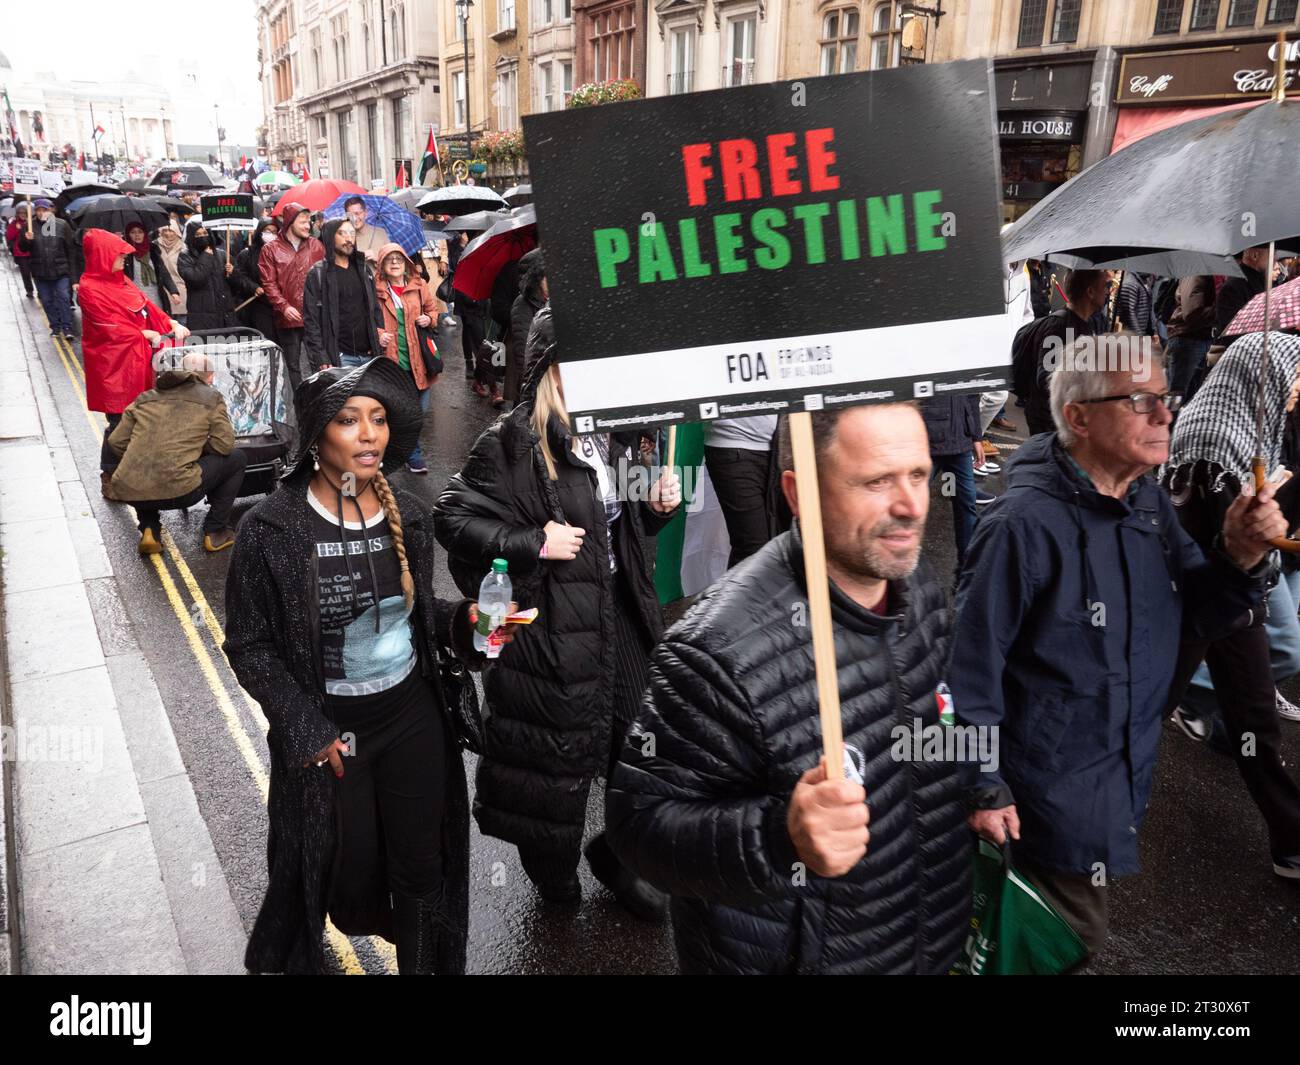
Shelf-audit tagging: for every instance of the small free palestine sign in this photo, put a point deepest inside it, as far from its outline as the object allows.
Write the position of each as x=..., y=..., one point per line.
x=774, y=248
x=226, y=205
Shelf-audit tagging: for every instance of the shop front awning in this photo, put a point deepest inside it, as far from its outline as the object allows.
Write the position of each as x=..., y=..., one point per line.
x=1138, y=122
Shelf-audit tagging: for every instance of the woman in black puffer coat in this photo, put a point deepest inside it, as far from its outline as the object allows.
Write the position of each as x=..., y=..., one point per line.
x=561, y=695
x=246, y=281
x=206, y=274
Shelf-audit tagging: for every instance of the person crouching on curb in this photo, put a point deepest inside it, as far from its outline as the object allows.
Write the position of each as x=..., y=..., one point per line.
x=332, y=625
x=175, y=445
x=1068, y=619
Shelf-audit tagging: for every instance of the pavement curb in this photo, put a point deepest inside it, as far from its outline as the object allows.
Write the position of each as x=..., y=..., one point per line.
x=113, y=868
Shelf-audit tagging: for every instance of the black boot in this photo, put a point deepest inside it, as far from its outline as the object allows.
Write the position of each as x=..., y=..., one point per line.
x=556, y=879
x=420, y=923
x=638, y=897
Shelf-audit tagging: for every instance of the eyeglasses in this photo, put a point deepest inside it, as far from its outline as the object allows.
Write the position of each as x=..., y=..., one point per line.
x=1143, y=402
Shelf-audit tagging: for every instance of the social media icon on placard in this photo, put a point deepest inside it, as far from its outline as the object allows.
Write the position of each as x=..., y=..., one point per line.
x=922, y=389
x=586, y=424
x=813, y=401
x=708, y=410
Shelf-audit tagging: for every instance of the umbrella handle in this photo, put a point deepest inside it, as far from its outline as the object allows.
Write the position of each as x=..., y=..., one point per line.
x=1282, y=543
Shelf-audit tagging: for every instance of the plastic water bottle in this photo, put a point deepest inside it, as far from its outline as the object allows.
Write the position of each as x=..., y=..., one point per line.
x=494, y=596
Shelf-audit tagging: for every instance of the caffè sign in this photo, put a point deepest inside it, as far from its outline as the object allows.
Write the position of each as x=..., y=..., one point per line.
x=1229, y=72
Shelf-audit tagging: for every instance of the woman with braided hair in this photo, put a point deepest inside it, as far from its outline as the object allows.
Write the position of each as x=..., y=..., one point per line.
x=332, y=625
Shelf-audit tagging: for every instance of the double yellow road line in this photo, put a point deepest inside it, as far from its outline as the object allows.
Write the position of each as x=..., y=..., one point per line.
x=186, y=617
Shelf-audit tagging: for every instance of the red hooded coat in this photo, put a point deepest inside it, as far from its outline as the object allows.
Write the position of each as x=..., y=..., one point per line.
x=118, y=358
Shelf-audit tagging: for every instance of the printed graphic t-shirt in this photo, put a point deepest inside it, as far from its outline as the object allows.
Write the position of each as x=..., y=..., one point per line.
x=358, y=661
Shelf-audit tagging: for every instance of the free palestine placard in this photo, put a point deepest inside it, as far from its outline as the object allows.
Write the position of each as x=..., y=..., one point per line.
x=774, y=248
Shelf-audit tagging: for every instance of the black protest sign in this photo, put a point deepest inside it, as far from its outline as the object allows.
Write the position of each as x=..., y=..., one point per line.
x=227, y=205
x=774, y=248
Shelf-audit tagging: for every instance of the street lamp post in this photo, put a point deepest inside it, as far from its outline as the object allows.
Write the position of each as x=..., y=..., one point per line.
x=221, y=136
x=462, y=11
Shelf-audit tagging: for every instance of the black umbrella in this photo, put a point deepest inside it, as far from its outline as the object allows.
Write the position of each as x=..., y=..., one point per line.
x=461, y=199
x=135, y=184
x=185, y=176
x=170, y=204
x=477, y=222
x=76, y=192
x=115, y=213
x=488, y=254
x=1210, y=187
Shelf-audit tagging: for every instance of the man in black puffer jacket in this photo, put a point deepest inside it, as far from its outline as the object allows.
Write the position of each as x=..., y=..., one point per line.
x=719, y=799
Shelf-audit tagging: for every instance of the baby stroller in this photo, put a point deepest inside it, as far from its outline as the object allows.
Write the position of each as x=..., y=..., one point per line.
x=251, y=375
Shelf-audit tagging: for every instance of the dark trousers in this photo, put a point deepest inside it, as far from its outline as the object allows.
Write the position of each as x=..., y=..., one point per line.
x=108, y=459
x=25, y=268
x=56, y=298
x=1080, y=903
x=290, y=341
x=739, y=477
x=392, y=796
x=1184, y=357
x=222, y=477
x=1039, y=422
x=956, y=475
x=1240, y=667
x=632, y=648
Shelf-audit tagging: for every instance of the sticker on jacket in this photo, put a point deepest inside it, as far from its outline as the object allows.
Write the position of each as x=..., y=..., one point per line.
x=943, y=699
x=855, y=765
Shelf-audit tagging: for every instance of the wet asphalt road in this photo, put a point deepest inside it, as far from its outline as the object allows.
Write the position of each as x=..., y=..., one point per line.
x=1205, y=902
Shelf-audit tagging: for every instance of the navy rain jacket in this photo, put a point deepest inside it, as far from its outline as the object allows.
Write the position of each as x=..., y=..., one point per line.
x=1068, y=619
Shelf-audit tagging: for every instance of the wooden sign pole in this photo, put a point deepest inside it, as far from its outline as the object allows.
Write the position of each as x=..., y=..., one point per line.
x=29, y=216
x=819, y=595
x=672, y=447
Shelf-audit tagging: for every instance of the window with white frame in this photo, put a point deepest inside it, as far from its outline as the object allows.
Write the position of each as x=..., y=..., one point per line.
x=316, y=59
x=506, y=21
x=840, y=41
x=882, y=50
x=566, y=84
x=740, y=50
x=508, y=99
x=544, y=82
x=681, y=60
x=458, y=99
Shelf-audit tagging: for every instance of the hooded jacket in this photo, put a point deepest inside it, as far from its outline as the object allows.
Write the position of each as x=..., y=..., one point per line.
x=320, y=305
x=550, y=693
x=118, y=358
x=532, y=269
x=207, y=288
x=53, y=249
x=698, y=803
x=163, y=433
x=247, y=279
x=284, y=269
x=417, y=299
x=1068, y=611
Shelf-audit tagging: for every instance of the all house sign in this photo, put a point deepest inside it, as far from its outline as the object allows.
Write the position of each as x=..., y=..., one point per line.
x=1037, y=126
x=1229, y=72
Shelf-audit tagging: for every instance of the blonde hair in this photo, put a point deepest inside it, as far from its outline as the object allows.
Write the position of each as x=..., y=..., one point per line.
x=548, y=401
x=394, y=516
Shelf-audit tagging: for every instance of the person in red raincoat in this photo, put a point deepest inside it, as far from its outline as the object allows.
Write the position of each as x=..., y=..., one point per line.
x=119, y=329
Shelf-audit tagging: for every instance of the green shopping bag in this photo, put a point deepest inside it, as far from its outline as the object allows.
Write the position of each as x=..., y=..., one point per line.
x=1013, y=929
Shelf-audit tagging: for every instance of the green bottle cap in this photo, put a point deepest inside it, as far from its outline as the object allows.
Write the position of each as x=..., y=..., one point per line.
x=499, y=565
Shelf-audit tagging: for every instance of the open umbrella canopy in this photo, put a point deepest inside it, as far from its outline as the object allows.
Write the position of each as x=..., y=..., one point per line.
x=401, y=224
x=461, y=199
x=186, y=176
x=487, y=254
x=79, y=192
x=318, y=193
x=1284, y=309
x=408, y=198
x=518, y=195
x=115, y=213
x=171, y=204
x=277, y=177
x=135, y=184
x=1213, y=186
x=478, y=222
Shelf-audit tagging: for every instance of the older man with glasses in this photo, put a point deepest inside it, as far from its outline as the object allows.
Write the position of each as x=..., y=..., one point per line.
x=1067, y=630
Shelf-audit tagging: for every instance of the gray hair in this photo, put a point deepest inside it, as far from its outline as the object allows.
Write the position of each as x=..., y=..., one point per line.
x=1075, y=381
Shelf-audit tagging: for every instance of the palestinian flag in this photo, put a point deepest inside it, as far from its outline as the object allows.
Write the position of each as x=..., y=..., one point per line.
x=693, y=548
x=400, y=181
x=11, y=121
x=431, y=158
x=81, y=161
x=99, y=132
